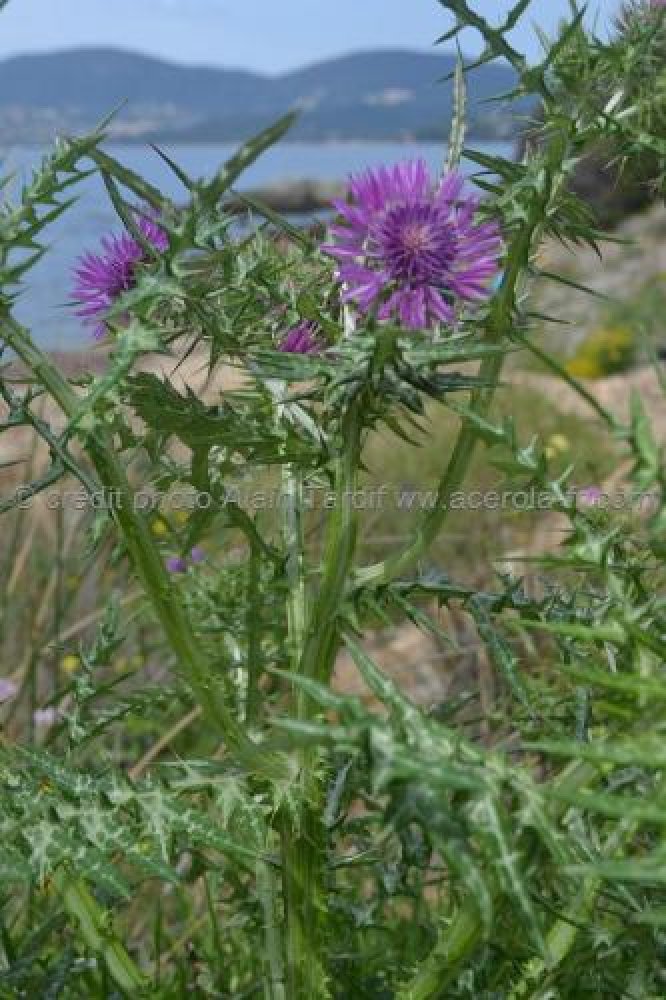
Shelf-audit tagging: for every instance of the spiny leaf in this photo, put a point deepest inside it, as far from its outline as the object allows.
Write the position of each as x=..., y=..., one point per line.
x=124, y=175
x=570, y=283
x=127, y=216
x=638, y=752
x=296, y=234
x=209, y=194
x=185, y=180
x=632, y=684
x=497, y=45
x=458, y=125
x=500, y=653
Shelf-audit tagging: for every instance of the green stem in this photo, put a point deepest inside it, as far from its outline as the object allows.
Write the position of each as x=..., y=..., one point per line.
x=320, y=643
x=294, y=542
x=298, y=827
x=301, y=886
x=559, y=942
x=274, y=985
x=442, y=964
x=253, y=634
x=305, y=979
x=96, y=930
x=312, y=643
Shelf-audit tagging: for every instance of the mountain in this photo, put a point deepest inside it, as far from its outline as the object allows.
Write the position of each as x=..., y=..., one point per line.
x=381, y=94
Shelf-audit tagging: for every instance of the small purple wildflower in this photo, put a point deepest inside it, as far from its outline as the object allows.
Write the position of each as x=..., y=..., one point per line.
x=402, y=231
x=197, y=555
x=176, y=564
x=301, y=339
x=46, y=716
x=101, y=278
x=591, y=496
x=8, y=689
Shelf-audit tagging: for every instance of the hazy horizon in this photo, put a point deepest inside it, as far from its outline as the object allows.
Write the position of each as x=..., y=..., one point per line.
x=143, y=53
x=223, y=34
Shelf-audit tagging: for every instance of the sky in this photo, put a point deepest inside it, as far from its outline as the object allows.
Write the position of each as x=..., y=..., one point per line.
x=268, y=36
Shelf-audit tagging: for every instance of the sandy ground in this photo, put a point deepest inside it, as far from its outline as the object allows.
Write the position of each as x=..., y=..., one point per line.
x=17, y=444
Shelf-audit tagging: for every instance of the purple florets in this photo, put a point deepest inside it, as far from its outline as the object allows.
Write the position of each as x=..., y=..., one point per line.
x=591, y=496
x=179, y=564
x=176, y=564
x=101, y=278
x=417, y=240
x=301, y=339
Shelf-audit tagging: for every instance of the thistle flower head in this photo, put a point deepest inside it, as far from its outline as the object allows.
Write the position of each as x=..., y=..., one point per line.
x=102, y=277
x=418, y=239
x=301, y=339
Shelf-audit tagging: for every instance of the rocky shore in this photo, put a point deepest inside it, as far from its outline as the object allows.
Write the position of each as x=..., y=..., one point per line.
x=300, y=197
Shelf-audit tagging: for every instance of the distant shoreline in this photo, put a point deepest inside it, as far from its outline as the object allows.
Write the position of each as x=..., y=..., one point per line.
x=370, y=96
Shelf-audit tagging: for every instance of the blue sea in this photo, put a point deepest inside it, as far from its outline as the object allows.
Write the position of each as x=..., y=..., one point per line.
x=43, y=303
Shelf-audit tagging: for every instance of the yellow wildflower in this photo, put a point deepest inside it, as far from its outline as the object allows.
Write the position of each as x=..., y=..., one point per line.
x=558, y=443
x=70, y=663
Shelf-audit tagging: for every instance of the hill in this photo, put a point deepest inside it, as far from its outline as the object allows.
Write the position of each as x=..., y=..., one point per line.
x=382, y=94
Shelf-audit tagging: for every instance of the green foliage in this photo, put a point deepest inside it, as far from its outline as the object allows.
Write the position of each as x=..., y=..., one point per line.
x=621, y=83
x=207, y=813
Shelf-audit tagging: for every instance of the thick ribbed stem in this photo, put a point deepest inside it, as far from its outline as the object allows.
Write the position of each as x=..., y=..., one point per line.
x=300, y=854
x=97, y=932
x=312, y=644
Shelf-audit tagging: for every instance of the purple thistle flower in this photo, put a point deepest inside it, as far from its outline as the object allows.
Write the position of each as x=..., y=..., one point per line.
x=176, y=564
x=101, y=278
x=419, y=239
x=197, y=555
x=301, y=339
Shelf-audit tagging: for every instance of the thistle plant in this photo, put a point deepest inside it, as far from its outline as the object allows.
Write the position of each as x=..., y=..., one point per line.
x=220, y=819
